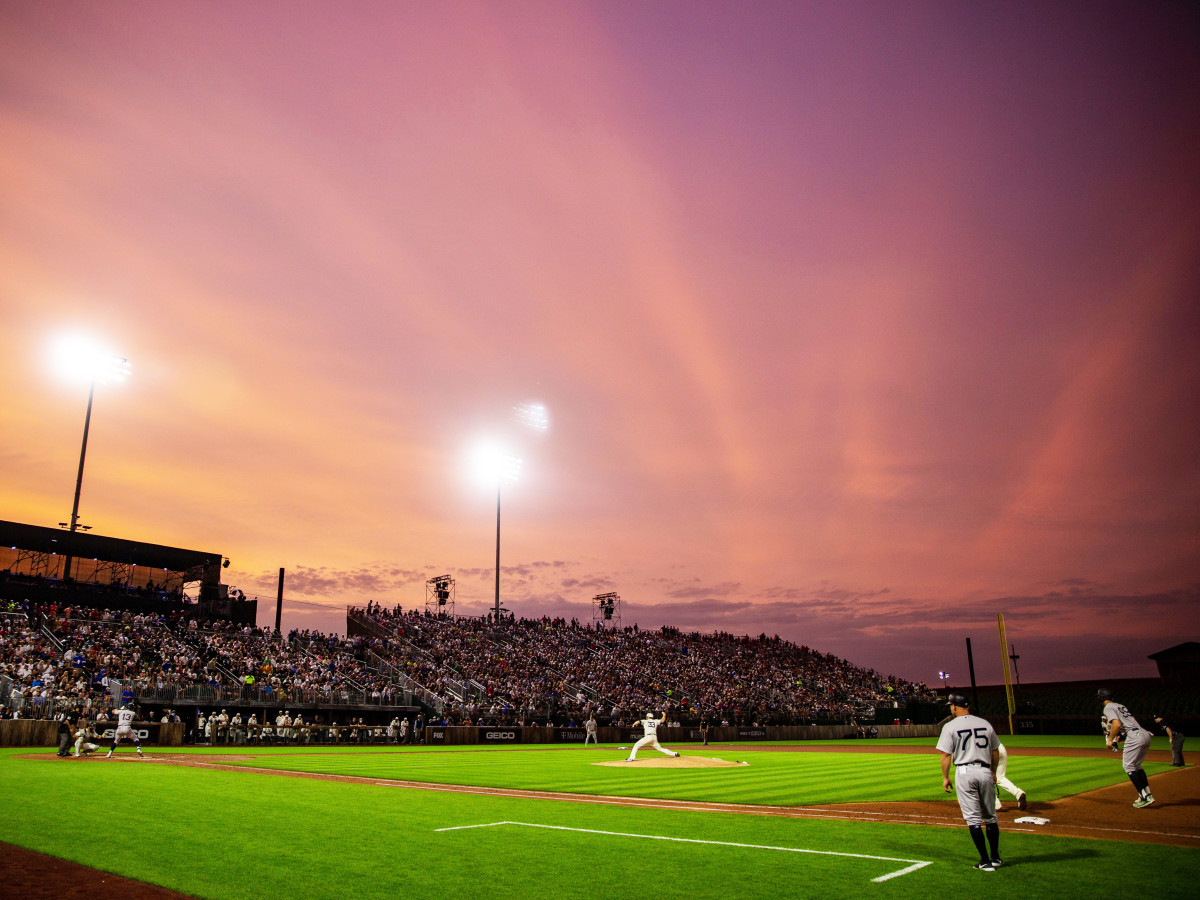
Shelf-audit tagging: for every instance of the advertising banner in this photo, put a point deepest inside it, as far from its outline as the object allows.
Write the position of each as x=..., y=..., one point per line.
x=500, y=734
x=752, y=734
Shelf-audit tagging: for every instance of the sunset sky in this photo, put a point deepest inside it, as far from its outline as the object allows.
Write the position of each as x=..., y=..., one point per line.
x=858, y=323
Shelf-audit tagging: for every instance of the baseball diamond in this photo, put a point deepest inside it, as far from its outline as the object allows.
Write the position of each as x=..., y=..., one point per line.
x=645, y=804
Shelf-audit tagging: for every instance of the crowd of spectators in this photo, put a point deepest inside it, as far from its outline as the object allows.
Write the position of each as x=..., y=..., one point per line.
x=76, y=659
x=474, y=670
x=531, y=666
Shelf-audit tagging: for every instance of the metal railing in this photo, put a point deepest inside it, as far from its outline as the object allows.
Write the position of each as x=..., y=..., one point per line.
x=415, y=689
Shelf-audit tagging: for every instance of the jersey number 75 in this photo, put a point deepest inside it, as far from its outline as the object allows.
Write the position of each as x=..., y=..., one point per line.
x=980, y=735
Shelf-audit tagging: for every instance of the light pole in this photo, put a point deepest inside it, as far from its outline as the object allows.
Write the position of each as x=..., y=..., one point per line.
x=493, y=465
x=945, y=676
x=101, y=367
x=499, y=482
x=507, y=469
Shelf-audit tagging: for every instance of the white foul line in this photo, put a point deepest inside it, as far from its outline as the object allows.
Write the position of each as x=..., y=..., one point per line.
x=916, y=863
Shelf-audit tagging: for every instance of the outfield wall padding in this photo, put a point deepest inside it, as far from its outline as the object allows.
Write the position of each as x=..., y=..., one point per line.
x=44, y=733
x=446, y=735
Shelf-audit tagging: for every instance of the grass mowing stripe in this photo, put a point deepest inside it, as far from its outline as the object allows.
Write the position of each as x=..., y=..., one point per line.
x=772, y=778
x=916, y=863
x=237, y=835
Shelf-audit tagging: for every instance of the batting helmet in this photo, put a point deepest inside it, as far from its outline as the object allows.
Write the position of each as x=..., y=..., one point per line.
x=957, y=699
x=1104, y=694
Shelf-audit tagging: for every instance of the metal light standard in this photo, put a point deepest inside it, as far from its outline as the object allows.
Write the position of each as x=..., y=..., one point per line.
x=508, y=467
x=100, y=367
x=493, y=463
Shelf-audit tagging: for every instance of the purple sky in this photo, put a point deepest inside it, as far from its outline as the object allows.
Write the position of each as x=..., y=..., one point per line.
x=856, y=323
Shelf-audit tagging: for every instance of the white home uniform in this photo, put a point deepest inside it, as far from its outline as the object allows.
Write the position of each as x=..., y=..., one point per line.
x=590, y=727
x=650, y=725
x=125, y=730
x=1003, y=781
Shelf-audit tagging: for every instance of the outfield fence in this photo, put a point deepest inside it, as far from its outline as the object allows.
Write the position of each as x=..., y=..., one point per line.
x=446, y=735
x=44, y=733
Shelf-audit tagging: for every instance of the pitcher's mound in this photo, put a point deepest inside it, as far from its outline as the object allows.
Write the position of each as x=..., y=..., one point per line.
x=673, y=762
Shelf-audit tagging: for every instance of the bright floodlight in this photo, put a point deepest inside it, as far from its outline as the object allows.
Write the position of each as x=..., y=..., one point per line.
x=81, y=359
x=532, y=415
x=492, y=465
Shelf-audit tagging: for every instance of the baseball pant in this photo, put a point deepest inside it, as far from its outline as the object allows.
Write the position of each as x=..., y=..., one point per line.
x=976, y=792
x=1137, y=742
x=650, y=740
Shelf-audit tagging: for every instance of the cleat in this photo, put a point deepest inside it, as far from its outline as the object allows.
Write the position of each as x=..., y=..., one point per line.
x=676, y=755
x=997, y=862
x=984, y=865
x=1142, y=802
x=1022, y=803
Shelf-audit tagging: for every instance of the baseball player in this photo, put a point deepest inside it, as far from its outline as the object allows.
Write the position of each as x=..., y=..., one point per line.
x=1114, y=745
x=125, y=730
x=1003, y=781
x=1137, y=742
x=650, y=739
x=970, y=744
x=590, y=727
x=83, y=739
x=1175, y=736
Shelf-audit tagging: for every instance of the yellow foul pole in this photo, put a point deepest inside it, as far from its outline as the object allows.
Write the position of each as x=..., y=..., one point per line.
x=1008, y=692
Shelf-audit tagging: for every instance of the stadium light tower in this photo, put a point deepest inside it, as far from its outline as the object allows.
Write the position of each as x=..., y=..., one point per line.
x=495, y=465
x=80, y=358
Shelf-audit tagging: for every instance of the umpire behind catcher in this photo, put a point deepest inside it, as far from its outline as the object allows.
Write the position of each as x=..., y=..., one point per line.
x=970, y=744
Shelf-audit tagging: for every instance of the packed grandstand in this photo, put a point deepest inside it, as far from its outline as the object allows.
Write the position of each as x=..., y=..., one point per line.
x=74, y=660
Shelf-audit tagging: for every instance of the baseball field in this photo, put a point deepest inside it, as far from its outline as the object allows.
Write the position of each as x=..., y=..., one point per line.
x=741, y=820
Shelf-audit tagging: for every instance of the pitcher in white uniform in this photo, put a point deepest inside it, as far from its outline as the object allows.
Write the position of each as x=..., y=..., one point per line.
x=650, y=726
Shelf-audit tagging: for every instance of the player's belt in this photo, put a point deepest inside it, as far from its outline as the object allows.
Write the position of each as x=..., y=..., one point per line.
x=960, y=765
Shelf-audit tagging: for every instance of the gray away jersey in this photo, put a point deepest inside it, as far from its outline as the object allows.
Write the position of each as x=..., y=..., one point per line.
x=1117, y=711
x=968, y=739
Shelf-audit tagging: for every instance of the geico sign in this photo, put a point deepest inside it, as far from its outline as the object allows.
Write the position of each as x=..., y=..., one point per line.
x=143, y=734
x=501, y=735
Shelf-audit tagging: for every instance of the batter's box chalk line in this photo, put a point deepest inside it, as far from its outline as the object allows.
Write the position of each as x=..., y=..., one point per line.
x=913, y=864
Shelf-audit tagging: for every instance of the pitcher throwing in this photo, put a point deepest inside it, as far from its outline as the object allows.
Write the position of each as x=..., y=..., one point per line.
x=650, y=726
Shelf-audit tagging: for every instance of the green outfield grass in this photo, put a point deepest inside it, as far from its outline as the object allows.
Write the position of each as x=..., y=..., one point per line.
x=231, y=834
x=772, y=778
